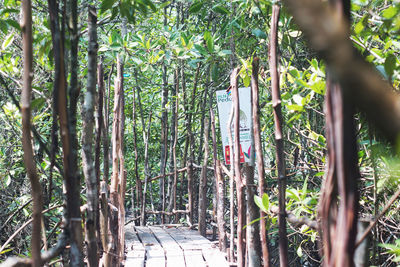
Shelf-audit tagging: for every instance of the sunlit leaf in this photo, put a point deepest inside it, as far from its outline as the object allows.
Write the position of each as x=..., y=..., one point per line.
x=389, y=12
x=259, y=204
x=8, y=41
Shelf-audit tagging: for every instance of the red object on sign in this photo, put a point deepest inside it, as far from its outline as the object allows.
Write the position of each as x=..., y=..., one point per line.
x=241, y=155
x=228, y=155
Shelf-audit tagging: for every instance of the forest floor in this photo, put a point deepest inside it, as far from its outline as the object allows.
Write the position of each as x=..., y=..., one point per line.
x=162, y=245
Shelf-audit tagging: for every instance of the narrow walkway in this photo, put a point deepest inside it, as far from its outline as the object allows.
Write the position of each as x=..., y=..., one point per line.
x=159, y=246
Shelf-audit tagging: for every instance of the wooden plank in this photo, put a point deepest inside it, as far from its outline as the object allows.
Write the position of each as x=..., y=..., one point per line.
x=155, y=256
x=214, y=258
x=210, y=252
x=196, y=238
x=184, y=241
x=173, y=252
x=135, y=255
x=194, y=258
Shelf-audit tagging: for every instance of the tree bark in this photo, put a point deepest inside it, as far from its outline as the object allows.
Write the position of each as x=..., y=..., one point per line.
x=260, y=158
x=89, y=170
x=171, y=195
x=238, y=177
x=117, y=174
x=139, y=192
x=280, y=160
x=219, y=182
x=164, y=136
x=26, y=27
x=203, y=184
x=231, y=188
x=67, y=119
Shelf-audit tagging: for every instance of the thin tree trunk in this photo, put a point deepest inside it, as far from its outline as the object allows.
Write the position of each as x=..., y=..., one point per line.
x=219, y=182
x=106, y=141
x=191, y=146
x=139, y=192
x=99, y=119
x=174, y=137
x=238, y=177
x=99, y=130
x=164, y=138
x=190, y=191
x=252, y=229
x=26, y=26
x=107, y=246
x=280, y=161
x=116, y=174
x=67, y=119
x=89, y=171
x=164, y=128
x=260, y=159
x=146, y=168
x=184, y=157
x=122, y=171
x=146, y=136
x=231, y=188
x=253, y=245
x=203, y=184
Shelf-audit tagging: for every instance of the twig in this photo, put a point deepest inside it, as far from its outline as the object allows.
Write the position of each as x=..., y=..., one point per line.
x=23, y=226
x=385, y=209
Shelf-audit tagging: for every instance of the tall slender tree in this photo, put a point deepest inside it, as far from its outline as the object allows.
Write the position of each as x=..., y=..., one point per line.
x=278, y=119
x=26, y=27
x=87, y=143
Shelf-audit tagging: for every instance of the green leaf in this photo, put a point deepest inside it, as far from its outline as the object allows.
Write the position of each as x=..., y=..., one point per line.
x=318, y=87
x=295, y=107
x=260, y=204
x=359, y=27
x=389, y=12
x=201, y=49
x=9, y=10
x=259, y=33
x=8, y=41
x=246, y=81
x=314, y=63
x=214, y=72
x=3, y=27
x=38, y=103
x=195, y=7
x=295, y=73
x=220, y=9
x=265, y=201
x=106, y=4
x=390, y=64
x=209, y=41
x=183, y=41
x=150, y=4
x=13, y=24
x=299, y=251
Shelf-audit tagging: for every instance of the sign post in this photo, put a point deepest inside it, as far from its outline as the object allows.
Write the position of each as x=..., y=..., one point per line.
x=224, y=102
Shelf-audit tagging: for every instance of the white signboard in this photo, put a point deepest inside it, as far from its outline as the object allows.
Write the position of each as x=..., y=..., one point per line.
x=224, y=102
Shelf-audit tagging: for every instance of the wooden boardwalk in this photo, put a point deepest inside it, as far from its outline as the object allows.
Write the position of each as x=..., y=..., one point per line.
x=162, y=246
